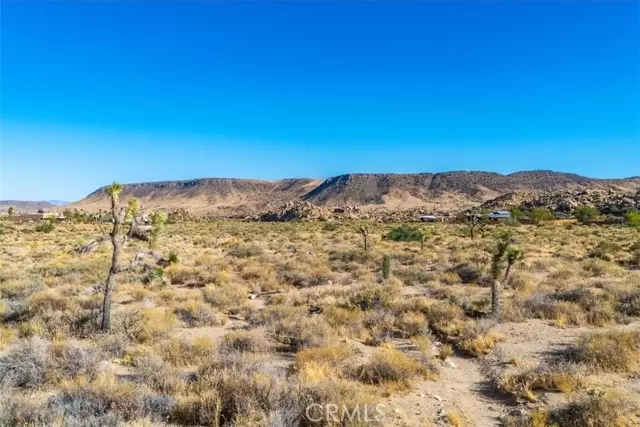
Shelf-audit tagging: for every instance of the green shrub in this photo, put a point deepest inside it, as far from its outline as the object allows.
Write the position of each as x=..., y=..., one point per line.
x=404, y=234
x=537, y=215
x=45, y=226
x=632, y=218
x=586, y=214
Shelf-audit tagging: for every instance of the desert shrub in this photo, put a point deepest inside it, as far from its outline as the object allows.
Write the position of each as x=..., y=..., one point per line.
x=614, y=350
x=222, y=396
x=344, y=321
x=180, y=274
x=158, y=375
x=445, y=351
x=144, y=325
x=596, y=408
x=48, y=300
x=404, y=234
x=389, y=366
x=603, y=250
x=373, y=297
x=225, y=297
x=301, y=395
x=195, y=313
x=405, y=258
x=332, y=357
x=351, y=256
x=477, y=339
x=598, y=267
x=563, y=377
x=20, y=290
x=244, y=341
x=104, y=401
x=577, y=306
x=301, y=331
x=245, y=251
x=467, y=273
x=15, y=311
x=413, y=276
x=380, y=325
x=73, y=358
x=450, y=278
x=412, y=324
x=46, y=226
x=182, y=352
x=293, y=326
x=114, y=344
x=31, y=363
x=303, y=277
x=26, y=364
x=22, y=410
x=444, y=317
x=629, y=303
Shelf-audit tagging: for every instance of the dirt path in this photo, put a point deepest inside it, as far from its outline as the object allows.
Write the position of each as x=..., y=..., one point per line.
x=462, y=388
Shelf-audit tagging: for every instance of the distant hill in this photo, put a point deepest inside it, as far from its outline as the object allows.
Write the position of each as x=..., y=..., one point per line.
x=26, y=205
x=429, y=191
x=221, y=196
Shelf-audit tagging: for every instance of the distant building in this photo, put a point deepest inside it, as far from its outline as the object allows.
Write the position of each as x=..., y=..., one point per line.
x=499, y=216
x=430, y=218
x=32, y=217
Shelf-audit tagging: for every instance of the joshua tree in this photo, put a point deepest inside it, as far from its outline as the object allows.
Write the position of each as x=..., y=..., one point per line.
x=364, y=230
x=473, y=220
x=11, y=210
x=121, y=216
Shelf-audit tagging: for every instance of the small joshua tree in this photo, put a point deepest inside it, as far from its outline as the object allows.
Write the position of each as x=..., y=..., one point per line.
x=503, y=248
x=386, y=267
x=364, y=231
x=121, y=216
x=11, y=211
x=513, y=255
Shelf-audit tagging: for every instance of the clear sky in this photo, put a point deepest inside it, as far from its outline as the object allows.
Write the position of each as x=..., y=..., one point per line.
x=93, y=91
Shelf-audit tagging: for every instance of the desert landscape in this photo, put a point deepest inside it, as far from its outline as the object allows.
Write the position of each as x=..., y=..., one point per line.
x=318, y=321
x=320, y=213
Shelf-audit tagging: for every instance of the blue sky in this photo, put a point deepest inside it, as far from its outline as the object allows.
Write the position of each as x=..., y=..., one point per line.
x=93, y=92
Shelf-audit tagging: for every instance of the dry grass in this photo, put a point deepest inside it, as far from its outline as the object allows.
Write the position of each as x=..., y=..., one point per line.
x=614, y=350
x=565, y=378
x=391, y=366
x=189, y=347
x=596, y=408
